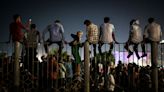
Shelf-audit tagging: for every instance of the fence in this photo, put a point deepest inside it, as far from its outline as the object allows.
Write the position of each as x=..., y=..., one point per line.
x=34, y=73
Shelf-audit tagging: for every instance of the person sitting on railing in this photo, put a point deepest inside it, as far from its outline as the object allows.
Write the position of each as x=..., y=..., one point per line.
x=56, y=33
x=152, y=33
x=92, y=34
x=75, y=45
x=135, y=37
x=106, y=35
x=17, y=34
x=32, y=38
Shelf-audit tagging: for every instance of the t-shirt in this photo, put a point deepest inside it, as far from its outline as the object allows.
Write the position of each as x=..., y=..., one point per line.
x=136, y=34
x=153, y=32
x=106, y=32
x=16, y=31
x=56, y=31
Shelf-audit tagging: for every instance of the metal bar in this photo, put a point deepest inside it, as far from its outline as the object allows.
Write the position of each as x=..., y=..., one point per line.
x=86, y=68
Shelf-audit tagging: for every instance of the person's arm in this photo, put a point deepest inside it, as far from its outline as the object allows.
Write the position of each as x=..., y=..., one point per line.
x=161, y=33
x=44, y=33
x=28, y=25
x=10, y=34
x=62, y=31
x=100, y=32
x=39, y=37
x=113, y=35
x=145, y=34
x=111, y=78
x=87, y=32
x=130, y=34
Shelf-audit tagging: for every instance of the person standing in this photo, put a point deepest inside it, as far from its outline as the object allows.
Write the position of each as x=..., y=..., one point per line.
x=32, y=39
x=135, y=37
x=16, y=31
x=107, y=35
x=75, y=46
x=17, y=35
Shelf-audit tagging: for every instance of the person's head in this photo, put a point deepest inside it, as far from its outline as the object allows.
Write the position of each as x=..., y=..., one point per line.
x=150, y=20
x=33, y=26
x=57, y=21
x=106, y=19
x=87, y=22
x=17, y=18
x=79, y=34
x=132, y=21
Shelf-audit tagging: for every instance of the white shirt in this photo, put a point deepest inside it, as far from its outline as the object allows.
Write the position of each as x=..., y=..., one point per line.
x=136, y=33
x=106, y=32
x=153, y=32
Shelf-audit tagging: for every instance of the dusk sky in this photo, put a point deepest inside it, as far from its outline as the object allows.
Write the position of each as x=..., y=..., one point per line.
x=72, y=14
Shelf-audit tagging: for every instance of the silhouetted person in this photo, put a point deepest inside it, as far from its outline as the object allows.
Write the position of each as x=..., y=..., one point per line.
x=75, y=46
x=56, y=32
x=106, y=35
x=152, y=33
x=32, y=39
x=92, y=34
x=16, y=32
x=135, y=37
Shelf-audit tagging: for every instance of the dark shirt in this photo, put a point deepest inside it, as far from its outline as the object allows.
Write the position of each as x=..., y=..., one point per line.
x=16, y=31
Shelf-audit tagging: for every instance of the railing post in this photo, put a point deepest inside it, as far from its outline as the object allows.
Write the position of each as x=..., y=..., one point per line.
x=154, y=62
x=86, y=67
x=16, y=67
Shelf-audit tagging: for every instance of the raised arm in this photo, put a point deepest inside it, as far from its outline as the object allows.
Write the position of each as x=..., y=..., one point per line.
x=44, y=32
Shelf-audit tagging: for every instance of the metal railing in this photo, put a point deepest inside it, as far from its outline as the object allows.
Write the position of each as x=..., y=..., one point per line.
x=34, y=75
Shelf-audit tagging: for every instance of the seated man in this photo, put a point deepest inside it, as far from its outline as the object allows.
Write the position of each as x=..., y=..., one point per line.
x=107, y=35
x=135, y=37
x=56, y=31
x=152, y=33
x=92, y=34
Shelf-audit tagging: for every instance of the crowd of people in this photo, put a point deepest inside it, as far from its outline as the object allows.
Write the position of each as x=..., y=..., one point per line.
x=56, y=72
